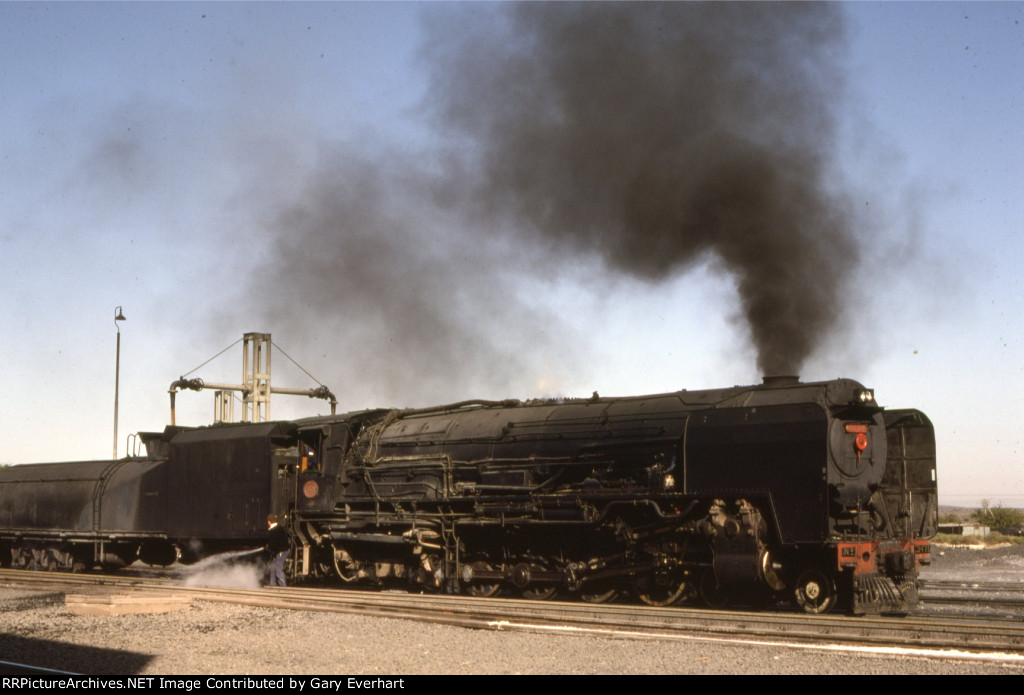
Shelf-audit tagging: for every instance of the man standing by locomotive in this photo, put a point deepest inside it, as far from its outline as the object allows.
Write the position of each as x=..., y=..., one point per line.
x=280, y=548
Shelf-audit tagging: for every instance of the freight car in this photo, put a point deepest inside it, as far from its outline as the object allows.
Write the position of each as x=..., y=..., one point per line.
x=752, y=492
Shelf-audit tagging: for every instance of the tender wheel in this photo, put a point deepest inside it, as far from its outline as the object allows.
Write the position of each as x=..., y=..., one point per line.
x=661, y=590
x=712, y=593
x=188, y=555
x=815, y=592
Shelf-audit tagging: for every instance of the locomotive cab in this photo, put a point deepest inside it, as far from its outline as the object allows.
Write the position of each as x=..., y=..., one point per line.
x=320, y=452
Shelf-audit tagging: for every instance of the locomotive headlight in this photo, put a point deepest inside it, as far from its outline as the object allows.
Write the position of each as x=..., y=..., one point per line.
x=866, y=396
x=860, y=441
x=670, y=482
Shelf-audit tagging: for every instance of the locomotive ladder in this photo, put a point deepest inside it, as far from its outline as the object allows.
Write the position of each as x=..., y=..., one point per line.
x=97, y=504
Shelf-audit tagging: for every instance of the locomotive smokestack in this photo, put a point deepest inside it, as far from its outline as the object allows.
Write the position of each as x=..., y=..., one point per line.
x=780, y=380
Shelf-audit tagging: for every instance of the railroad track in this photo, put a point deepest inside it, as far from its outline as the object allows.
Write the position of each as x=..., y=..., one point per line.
x=972, y=638
x=1008, y=595
x=965, y=585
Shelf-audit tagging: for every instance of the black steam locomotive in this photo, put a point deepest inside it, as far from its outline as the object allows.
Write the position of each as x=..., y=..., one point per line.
x=747, y=493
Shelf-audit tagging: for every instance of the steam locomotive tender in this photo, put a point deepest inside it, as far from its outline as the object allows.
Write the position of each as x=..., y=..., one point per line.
x=747, y=493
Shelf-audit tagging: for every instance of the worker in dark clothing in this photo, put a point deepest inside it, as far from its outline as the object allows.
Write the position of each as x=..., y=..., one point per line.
x=280, y=548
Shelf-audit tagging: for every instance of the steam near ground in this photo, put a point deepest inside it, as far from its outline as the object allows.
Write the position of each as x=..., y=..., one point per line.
x=235, y=570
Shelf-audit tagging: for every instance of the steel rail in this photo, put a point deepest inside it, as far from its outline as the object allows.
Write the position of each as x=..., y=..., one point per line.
x=1008, y=595
x=986, y=602
x=967, y=585
x=978, y=638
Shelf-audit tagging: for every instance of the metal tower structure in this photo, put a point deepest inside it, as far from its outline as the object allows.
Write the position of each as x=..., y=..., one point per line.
x=255, y=387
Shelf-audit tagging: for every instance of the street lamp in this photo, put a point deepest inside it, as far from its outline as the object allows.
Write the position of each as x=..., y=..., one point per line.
x=118, y=316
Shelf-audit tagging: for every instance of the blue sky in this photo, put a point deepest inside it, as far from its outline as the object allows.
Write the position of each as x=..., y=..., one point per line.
x=148, y=149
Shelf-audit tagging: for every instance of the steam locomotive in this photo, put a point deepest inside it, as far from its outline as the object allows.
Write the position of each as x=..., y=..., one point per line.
x=749, y=493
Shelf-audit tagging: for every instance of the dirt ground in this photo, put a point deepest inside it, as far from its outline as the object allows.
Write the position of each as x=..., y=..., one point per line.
x=1003, y=563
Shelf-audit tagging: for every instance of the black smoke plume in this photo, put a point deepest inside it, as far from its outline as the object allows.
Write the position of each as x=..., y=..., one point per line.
x=654, y=136
x=659, y=134
x=408, y=303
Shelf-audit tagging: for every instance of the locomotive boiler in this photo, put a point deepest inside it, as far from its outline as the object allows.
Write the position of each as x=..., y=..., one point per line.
x=749, y=493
